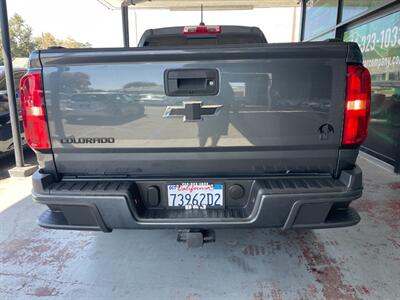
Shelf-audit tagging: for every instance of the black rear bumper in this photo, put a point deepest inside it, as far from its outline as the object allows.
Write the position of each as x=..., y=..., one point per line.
x=280, y=202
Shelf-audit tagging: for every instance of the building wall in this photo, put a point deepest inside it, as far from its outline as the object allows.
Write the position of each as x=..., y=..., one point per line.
x=375, y=26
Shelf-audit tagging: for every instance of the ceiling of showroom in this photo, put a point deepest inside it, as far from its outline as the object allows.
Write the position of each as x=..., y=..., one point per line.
x=195, y=4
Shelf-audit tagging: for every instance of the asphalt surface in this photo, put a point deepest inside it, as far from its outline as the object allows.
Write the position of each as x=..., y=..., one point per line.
x=360, y=262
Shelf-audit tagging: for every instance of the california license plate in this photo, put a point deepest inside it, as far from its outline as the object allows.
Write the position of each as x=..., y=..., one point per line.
x=200, y=195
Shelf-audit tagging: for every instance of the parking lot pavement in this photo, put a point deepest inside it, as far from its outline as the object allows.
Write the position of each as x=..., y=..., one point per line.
x=7, y=161
x=361, y=262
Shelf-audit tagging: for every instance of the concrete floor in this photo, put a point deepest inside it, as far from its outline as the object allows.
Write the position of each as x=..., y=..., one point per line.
x=362, y=262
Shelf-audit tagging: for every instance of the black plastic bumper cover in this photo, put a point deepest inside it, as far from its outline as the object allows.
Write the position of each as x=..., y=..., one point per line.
x=300, y=202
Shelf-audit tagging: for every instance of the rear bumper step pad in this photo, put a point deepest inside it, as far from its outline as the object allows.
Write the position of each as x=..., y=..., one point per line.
x=306, y=202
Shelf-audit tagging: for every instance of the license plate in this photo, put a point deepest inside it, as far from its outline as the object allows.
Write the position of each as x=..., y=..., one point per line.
x=201, y=195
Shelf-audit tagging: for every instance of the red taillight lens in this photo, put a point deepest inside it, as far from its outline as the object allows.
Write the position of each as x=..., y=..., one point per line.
x=33, y=111
x=202, y=30
x=358, y=105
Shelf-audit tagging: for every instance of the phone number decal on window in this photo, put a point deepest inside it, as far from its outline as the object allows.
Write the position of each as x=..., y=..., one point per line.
x=379, y=41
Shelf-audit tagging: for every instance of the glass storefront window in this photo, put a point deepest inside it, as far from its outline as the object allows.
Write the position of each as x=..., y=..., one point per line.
x=352, y=8
x=320, y=15
x=328, y=35
x=379, y=41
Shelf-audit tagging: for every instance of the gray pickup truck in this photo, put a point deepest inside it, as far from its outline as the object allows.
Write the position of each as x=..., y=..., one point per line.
x=212, y=128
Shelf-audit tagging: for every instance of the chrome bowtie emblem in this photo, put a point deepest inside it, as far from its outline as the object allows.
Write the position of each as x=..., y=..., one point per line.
x=191, y=111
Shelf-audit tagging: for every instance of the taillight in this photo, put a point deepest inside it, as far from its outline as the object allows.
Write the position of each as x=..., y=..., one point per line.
x=33, y=111
x=202, y=29
x=358, y=105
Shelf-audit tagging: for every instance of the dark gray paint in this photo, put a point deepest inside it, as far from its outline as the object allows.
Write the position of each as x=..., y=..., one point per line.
x=275, y=98
x=299, y=202
x=229, y=35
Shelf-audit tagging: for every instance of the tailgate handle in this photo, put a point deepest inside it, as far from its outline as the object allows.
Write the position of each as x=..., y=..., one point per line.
x=191, y=82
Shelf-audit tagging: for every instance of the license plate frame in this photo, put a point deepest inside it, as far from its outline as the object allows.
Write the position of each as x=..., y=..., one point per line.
x=192, y=188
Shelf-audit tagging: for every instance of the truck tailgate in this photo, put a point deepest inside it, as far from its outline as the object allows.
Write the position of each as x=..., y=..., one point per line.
x=243, y=110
